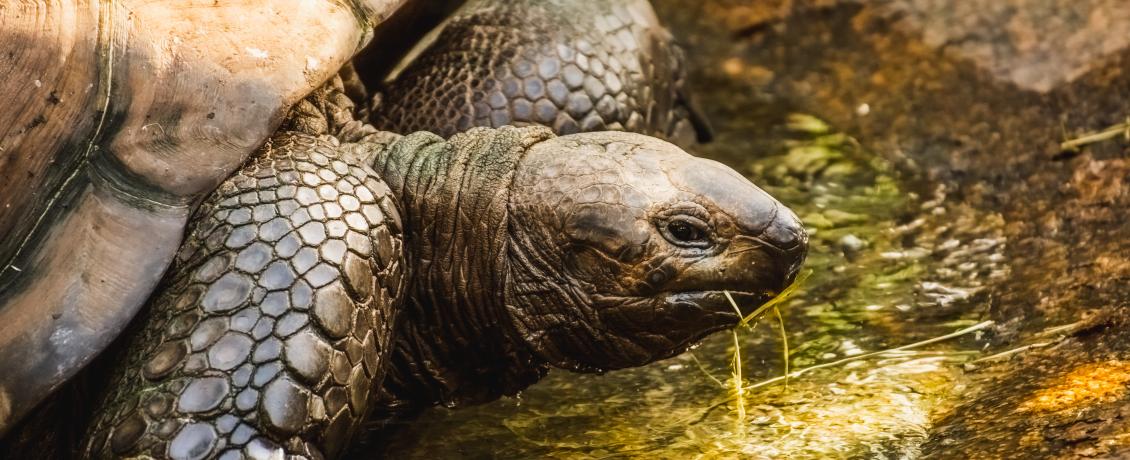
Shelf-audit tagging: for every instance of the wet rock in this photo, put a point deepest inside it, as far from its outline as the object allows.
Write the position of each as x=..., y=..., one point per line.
x=850, y=245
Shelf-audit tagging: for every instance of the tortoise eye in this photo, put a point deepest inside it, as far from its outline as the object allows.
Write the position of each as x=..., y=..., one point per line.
x=687, y=231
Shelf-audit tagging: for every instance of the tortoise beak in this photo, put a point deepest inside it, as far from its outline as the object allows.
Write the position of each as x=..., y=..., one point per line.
x=785, y=240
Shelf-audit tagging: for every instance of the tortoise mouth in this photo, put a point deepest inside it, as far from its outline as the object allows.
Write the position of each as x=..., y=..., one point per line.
x=713, y=312
x=717, y=303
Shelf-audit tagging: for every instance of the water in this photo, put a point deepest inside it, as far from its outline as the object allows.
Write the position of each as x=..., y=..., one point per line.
x=893, y=262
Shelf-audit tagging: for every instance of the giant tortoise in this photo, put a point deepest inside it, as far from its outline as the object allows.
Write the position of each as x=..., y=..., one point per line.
x=330, y=267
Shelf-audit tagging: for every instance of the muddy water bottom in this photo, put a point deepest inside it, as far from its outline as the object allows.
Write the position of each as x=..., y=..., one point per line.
x=889, y=266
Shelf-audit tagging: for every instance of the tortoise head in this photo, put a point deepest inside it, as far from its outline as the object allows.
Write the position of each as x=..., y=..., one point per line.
x=587, y=252
x=623, y=246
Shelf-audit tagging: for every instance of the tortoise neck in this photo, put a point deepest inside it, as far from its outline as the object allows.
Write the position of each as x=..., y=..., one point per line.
x=455, y=343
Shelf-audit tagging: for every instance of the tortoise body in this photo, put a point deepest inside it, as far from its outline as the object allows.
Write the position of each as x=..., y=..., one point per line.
x=121, y=117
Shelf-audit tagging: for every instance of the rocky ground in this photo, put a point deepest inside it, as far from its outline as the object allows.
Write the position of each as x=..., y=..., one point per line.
x=976, y=96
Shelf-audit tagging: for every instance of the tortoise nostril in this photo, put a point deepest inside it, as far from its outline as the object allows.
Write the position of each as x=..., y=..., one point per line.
x=786, y=232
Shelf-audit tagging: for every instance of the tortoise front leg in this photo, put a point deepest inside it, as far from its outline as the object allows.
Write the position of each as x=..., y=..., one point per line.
x=272, y=325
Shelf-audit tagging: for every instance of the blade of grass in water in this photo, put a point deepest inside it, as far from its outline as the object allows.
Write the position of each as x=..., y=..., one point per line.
x=784, y=344
x=797, y=373
x=738, y=386
x=772, y=303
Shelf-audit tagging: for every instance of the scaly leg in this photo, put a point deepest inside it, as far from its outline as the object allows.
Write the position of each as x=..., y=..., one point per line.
x=271, y=328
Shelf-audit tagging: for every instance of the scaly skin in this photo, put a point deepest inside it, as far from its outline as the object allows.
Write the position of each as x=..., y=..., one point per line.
x=573, y=66
x=270, y=330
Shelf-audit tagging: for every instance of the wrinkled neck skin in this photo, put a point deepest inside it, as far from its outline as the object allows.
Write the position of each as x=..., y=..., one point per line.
x=455, y=343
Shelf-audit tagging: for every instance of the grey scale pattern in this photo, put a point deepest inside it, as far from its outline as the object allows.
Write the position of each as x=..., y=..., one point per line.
x=275, y=315
x=572, y=66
